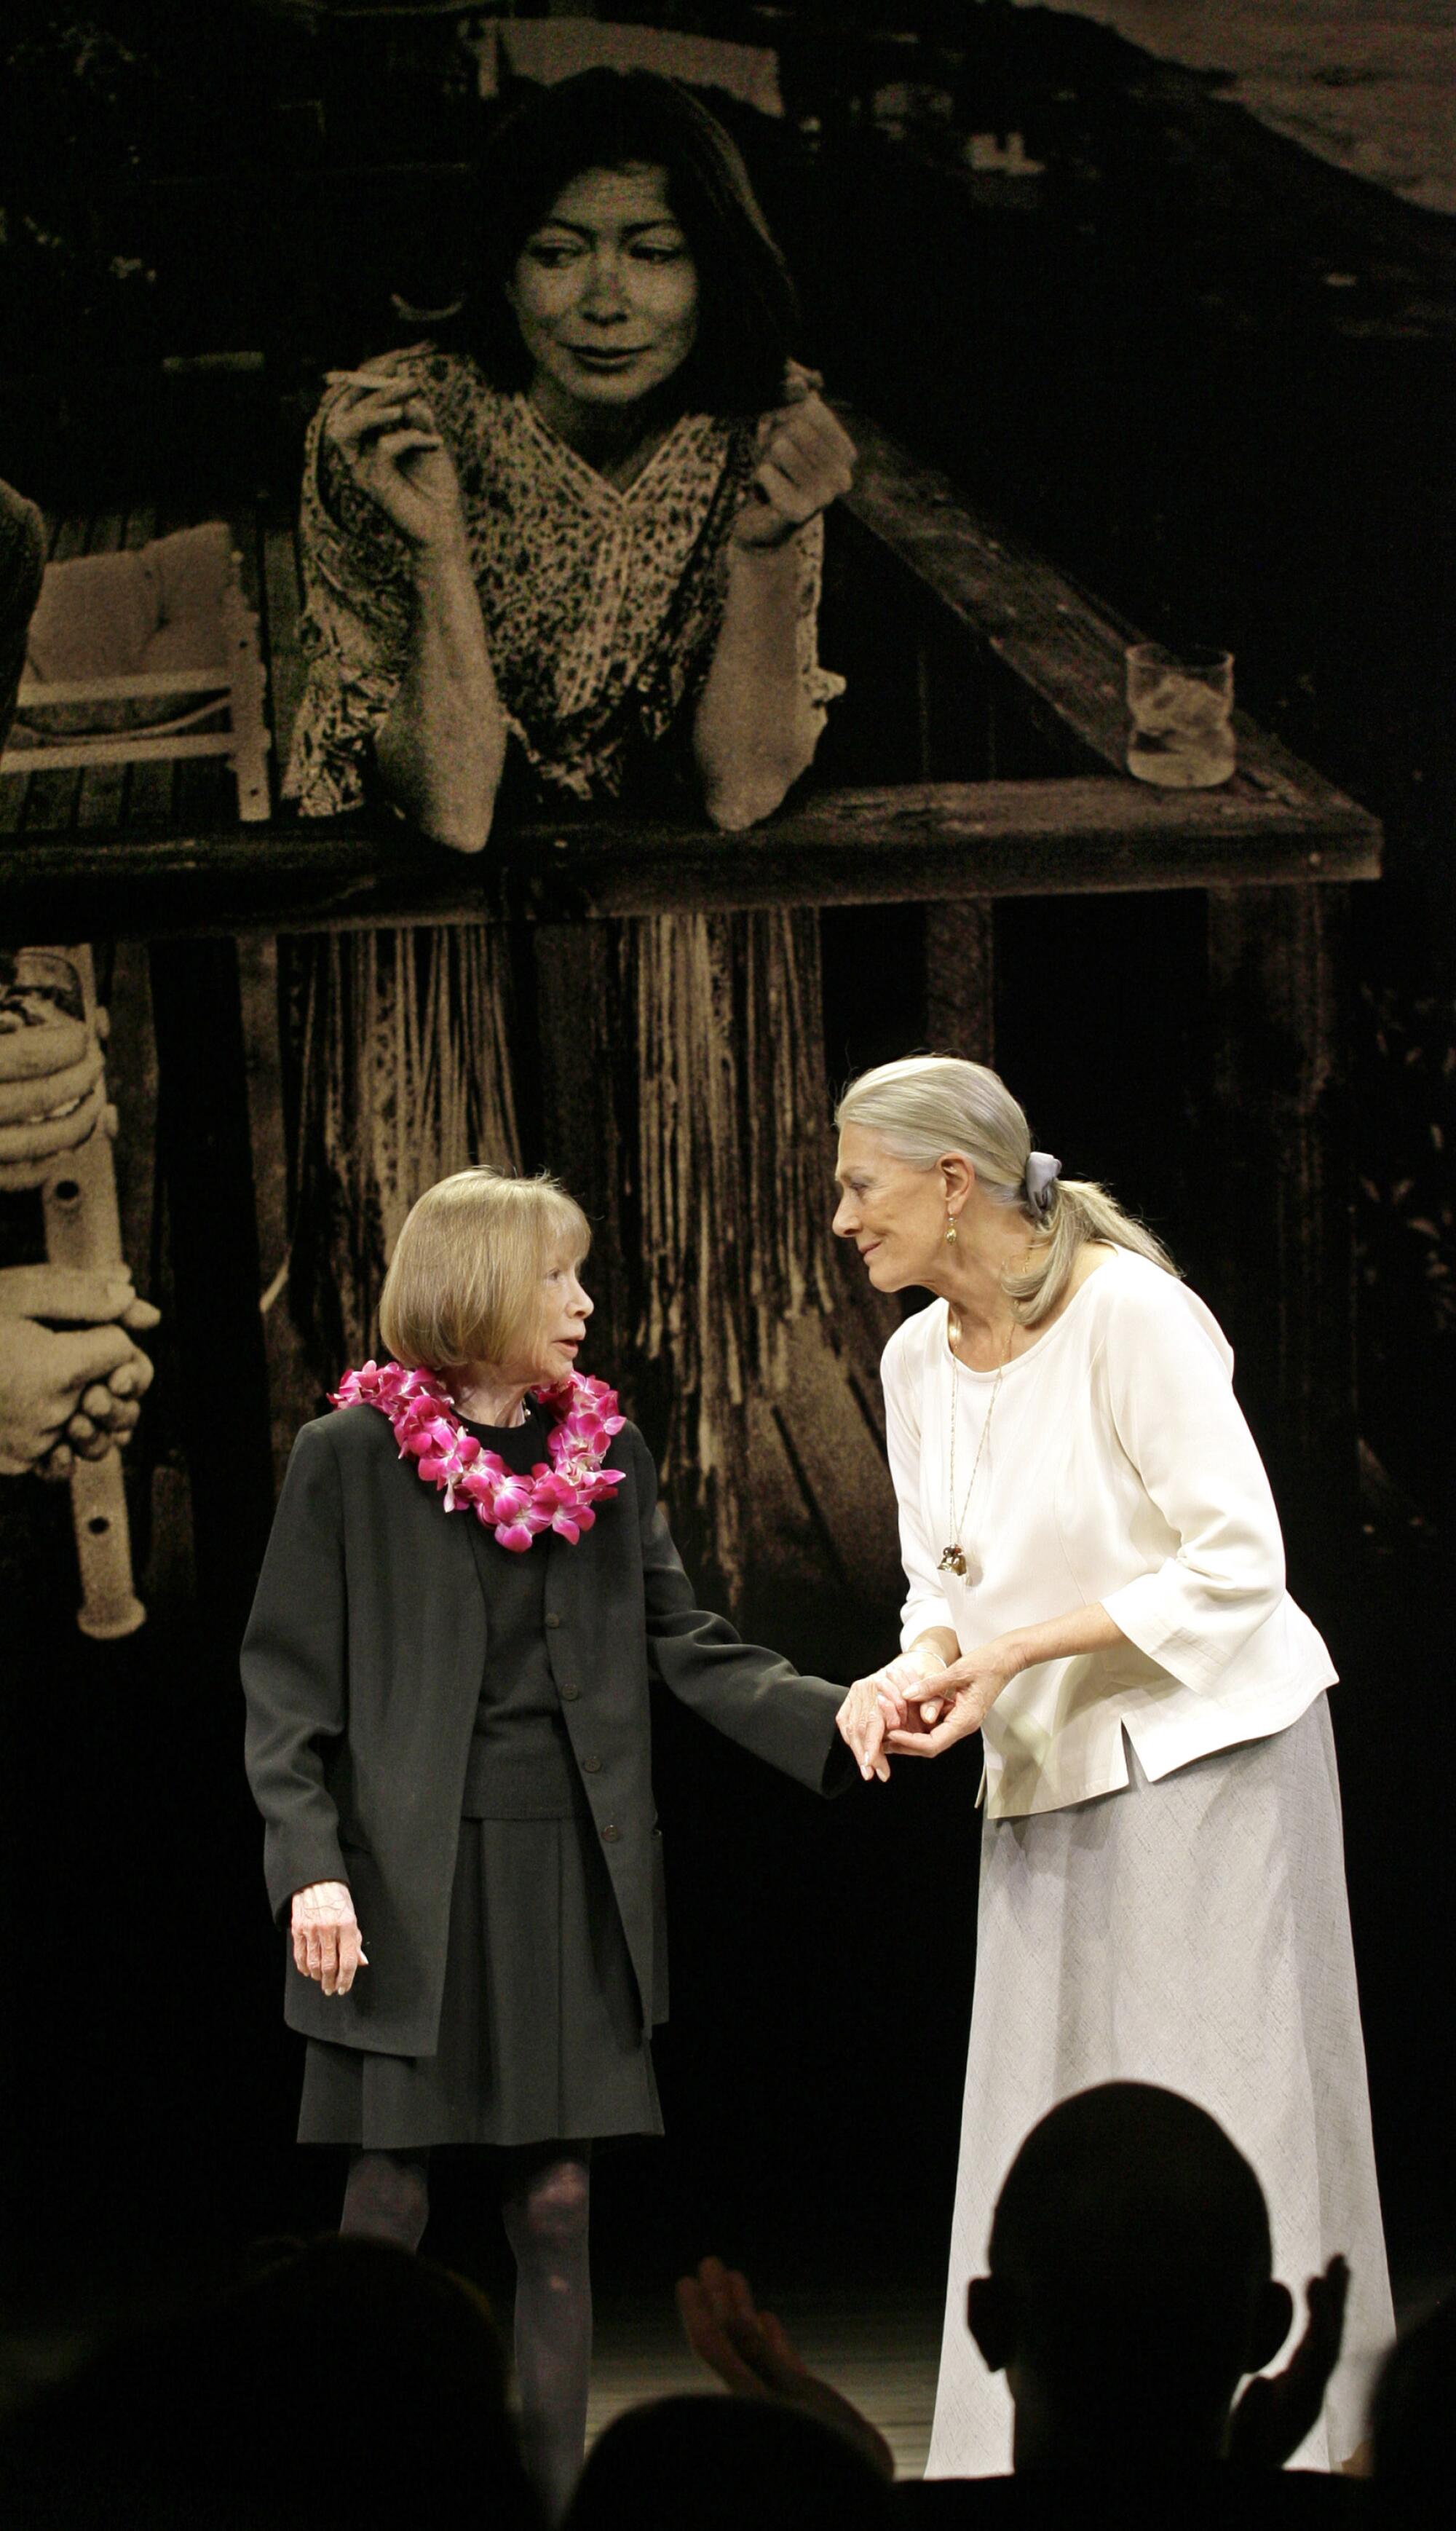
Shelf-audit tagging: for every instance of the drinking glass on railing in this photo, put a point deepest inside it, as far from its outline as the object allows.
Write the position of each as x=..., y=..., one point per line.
x=1180, y=707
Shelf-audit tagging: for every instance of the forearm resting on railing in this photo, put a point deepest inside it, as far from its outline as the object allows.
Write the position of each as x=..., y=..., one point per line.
x=755, y=729
x=441, y=749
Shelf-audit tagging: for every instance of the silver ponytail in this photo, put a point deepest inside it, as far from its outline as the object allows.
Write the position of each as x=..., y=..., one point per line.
x=929, y=1104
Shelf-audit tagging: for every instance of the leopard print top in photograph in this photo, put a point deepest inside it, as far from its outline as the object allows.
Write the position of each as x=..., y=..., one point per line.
x=601, y=607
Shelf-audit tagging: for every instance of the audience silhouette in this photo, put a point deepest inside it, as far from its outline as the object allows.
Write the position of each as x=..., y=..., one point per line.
x=343, y=2384
x=702, y=2463
x=1129, y=2292
x=1131, y=2245
x=1413, y=2424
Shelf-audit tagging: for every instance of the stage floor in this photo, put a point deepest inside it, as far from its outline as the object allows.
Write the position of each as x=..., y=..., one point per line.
x=880, y=2348
x=881, y=2352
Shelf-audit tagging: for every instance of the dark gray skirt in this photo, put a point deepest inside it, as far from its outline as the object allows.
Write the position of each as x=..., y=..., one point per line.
x=541, y=2029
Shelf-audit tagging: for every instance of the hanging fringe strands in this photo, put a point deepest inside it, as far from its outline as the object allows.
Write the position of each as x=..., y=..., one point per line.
x=710, y=1208
x=403, y=1077
x=732, y=1175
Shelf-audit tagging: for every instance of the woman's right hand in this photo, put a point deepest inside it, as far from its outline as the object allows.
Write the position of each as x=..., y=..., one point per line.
x=878, y=1705
x=386, y=438
x=805, y=459
x=328, y=1944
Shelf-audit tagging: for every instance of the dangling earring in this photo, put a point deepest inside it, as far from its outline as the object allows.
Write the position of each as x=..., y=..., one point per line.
x=950, y=1228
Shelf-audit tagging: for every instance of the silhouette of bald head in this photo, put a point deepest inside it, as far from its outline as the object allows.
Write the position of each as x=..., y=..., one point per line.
x=1130, y=2249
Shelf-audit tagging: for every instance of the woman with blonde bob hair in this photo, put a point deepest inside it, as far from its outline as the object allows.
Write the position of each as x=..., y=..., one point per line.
x=448, y=1737
x=1095, y=1584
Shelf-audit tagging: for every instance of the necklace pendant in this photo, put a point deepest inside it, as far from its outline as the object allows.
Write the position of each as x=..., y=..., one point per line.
x=953, y=1560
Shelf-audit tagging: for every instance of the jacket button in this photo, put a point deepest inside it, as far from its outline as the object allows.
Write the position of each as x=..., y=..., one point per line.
x=569, y=1691
x=609, y=1836
x=591, y=1765
x=552, y=1620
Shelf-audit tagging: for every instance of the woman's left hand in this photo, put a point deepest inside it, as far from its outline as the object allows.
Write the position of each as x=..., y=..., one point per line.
x=934, y=1712
x=861, y=1728
x=806, y=461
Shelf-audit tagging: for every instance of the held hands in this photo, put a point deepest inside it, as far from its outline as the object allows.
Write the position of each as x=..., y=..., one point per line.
x=918, y=1705
x=73, y=1388
x=806, y=461
x=328, y=1944
x=752, y=2357
x=874, y=1702
x=385, y=435
x=930, y=1714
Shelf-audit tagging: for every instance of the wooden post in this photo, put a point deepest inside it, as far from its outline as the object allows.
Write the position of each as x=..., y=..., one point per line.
x=1281, y=1183
x=959, y=933
x=204, y=1159
x=292, y=1387
x=960, y=978
x=579, y=1135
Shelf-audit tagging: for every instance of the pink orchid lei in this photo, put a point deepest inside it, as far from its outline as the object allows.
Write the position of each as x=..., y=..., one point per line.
x=428, y=1427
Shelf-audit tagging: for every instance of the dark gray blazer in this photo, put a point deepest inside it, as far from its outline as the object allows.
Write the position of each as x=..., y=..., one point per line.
x=362, y=1667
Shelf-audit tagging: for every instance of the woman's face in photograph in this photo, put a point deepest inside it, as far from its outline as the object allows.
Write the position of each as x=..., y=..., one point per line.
x=606, y=290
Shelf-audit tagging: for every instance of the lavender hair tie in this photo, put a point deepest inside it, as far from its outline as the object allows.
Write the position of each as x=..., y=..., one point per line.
x=1044, y=1169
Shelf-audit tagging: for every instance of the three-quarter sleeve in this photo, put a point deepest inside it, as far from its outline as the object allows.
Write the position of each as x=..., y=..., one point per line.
x=820, y=685
x=1169, y=1390
x=925, y=1605
x=354, y=630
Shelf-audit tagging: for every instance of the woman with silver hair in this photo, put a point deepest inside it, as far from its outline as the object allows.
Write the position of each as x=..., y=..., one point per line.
x=1097, y=1585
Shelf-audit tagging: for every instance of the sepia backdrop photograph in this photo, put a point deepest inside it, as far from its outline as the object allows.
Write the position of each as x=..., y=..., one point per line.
x=1030, y=644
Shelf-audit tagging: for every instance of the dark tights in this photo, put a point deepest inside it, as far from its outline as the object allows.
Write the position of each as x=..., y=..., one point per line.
x=547, y=2203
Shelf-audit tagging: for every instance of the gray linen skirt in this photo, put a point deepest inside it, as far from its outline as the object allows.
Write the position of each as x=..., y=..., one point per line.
x=1193, y=1932
x=540, y=2030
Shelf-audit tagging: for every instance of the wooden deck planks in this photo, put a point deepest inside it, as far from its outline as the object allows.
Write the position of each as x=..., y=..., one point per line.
x=101, y=789
x=47, y=802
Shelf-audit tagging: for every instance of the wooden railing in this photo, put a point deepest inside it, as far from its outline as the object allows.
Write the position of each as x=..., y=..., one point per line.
x=1052, y=654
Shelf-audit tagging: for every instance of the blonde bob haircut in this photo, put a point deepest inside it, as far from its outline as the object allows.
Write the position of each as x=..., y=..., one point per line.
x=928, y=1105
x=463, y=1284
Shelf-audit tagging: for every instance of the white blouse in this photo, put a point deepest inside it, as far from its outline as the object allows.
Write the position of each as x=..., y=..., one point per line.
x=1117, y=1467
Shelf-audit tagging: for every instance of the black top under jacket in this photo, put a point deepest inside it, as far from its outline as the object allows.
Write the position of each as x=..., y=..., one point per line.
x=361, y=1668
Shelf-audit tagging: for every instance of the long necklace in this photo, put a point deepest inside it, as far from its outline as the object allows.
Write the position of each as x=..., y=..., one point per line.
x=954, y=1558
